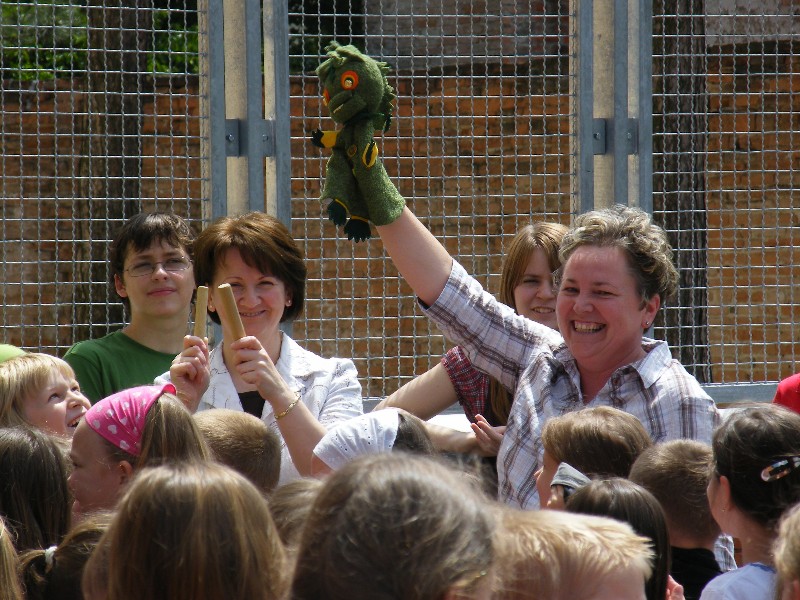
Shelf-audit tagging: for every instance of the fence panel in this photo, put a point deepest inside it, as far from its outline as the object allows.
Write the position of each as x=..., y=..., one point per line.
x=726, y=78
x=479, y=145
x=100, y=119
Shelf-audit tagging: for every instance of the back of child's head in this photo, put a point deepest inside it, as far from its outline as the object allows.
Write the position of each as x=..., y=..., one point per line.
x=23, y=376
x=55, y=573
x=147, y=426
x=559, y=556
x=193, y=531
x=385, y=430
x=626, y=501
x=243, y=442
x=34, y=497
x=787, y=553
x=290, y=505
x=599, y=442
x=10, y=588
x=395, y=525
x=758, y=450
x=676, y=473
x=412, y=435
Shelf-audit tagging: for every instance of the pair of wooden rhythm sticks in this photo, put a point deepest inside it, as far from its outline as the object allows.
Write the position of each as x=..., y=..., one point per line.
x=228, y=313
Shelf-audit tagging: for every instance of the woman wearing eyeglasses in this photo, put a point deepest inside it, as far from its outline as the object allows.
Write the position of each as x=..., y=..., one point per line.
x=265, y=373
x=152, y=274
x=755, y=479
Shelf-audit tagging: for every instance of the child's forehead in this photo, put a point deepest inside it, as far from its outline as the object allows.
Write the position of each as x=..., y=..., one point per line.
x=157, y=246
x=60, y=372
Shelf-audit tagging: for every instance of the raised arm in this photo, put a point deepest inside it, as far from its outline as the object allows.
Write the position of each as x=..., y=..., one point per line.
x=418, y=255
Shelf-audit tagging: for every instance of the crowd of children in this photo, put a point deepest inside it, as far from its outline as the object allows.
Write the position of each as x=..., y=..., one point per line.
x=249, y=471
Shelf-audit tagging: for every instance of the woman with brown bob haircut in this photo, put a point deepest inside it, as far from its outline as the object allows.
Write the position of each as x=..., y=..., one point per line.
x=266, y=373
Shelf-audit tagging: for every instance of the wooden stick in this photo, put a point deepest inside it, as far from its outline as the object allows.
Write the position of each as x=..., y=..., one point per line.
x=229, y=314
x=200, y=311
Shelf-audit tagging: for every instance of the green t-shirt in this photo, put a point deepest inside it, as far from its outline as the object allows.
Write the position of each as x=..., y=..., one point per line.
x=114, y=362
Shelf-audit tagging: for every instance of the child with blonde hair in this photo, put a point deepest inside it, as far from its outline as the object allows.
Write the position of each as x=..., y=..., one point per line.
x=558, y=556
x=787, y=555
x=41, y=391
x=245, y=443
x=10, y=588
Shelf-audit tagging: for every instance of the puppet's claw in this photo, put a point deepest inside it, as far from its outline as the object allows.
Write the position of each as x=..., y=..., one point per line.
x=337, y=212
x=357, y=229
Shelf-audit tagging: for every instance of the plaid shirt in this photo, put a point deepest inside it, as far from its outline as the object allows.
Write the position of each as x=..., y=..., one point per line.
x=533, y=360
x=471, y=385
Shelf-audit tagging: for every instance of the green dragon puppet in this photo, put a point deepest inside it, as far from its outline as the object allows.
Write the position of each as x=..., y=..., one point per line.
x=360, y=99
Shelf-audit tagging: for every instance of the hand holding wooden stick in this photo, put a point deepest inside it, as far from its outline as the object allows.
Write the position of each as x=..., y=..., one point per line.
x=200, y=311
x=229, y=314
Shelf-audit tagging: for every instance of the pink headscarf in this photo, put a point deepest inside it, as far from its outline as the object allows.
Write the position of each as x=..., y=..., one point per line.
x=120, y=418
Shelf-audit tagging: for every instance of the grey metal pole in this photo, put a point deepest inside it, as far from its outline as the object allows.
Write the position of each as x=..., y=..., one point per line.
x=213, y=87
x=588, y=141
x=276, y=108
x=644, y=145
x=619, y=138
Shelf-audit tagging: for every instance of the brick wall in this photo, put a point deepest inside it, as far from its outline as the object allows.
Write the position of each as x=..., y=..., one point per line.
x=497, y=137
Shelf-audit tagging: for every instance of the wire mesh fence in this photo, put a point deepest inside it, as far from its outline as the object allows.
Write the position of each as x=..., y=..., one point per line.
x=100, y=120
x=480, y=145
x=101, y=117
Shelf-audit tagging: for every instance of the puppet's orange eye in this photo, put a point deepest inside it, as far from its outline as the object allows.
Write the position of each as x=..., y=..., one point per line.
x=326, y=97
x=349, y=80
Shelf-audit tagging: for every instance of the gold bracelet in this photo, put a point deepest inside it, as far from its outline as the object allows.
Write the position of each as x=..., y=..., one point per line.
x=289, y=408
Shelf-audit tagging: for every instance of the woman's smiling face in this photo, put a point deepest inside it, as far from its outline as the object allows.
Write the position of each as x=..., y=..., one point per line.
x=260, y=297
x=601, y=314
x=534, y=295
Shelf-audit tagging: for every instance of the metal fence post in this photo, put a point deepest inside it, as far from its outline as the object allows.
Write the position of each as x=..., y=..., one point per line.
x=614, y=103
x=276, y=108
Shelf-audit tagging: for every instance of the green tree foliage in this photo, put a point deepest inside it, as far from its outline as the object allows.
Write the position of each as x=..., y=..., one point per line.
x=46, y=39
x=42, y=40
x=49, y=39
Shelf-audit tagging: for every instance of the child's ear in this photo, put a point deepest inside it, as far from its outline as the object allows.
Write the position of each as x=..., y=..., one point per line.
x=724, y=493
x=124, y=472
x=119, y=285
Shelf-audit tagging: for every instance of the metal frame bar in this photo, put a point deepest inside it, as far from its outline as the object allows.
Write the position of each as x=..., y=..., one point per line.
x=216, y=99
x=619, y=128
x=645, y=109
x=276, y=34
x=254, y=133
x=586, y=133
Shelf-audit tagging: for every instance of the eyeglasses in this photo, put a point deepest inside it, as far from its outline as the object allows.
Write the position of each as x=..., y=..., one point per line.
x=780, y=468
x=171, y=265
